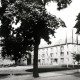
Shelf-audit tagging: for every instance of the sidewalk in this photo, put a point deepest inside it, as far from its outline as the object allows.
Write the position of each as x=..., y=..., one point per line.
x=42, y=75
x=18, y=70
x=58, y=73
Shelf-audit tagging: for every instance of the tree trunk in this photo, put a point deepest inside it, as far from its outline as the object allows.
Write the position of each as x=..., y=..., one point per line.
x=78, y=66
x=35, y=61
x=15, y=62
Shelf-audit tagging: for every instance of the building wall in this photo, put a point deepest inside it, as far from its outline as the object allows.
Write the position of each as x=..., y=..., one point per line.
x=58, y=54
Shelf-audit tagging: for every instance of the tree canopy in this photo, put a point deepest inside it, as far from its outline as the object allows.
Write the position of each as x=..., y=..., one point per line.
x=32, y=13
x=77, y=25
x=77, y=57
x=36, y=23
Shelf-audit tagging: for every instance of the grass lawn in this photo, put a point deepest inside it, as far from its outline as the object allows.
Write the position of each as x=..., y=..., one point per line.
x=2, y=76
x=45, y=68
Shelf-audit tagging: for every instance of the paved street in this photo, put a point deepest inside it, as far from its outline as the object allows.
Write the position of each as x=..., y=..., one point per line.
x=61, y=77
x=58, y=75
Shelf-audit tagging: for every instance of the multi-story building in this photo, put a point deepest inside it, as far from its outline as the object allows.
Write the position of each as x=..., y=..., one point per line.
x=61, y=54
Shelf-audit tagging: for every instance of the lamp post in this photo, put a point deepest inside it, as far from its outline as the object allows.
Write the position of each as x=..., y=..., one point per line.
x=77, y=42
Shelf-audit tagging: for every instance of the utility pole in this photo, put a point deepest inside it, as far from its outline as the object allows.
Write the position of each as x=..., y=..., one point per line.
x=66, y=42
x=77, y=42
x=72, y=35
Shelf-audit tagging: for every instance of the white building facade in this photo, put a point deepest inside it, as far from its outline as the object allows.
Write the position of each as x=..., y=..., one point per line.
x=58, y=54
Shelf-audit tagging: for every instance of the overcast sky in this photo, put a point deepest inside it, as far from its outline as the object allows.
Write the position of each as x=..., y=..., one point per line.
x=68, y=15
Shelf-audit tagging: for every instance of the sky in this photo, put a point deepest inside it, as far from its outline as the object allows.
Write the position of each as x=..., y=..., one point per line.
x=68, y=15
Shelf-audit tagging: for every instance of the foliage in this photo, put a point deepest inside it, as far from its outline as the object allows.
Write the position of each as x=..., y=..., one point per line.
x=36, y=23
x=60, y=3
x=29, y=13
x=77, y=57
x=77, y=25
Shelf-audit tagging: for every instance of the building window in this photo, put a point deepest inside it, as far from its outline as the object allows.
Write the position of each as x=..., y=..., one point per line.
x=51, y=48
x=62, y=60
x=47, y=51
x=67, y=59
x=43, y=61
x=55, y=60
x=39, y=61
x=43, y=55
x=51, y=54
x=39, y=56
x=56, y=53
x=0, y=49
x=0, y=55
x=67, y=53
x=62, y=53
x=43, y=49
x=51, y=60
x=62, y=48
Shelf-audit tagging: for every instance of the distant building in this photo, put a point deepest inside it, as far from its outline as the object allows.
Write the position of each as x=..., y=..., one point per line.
x=61, y=54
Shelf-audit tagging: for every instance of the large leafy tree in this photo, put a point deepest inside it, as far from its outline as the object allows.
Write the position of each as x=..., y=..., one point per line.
x=77, y=26
x=77, y=57
x=36, y=23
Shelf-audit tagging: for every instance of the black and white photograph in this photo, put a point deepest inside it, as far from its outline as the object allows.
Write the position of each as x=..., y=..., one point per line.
x=39, y=39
